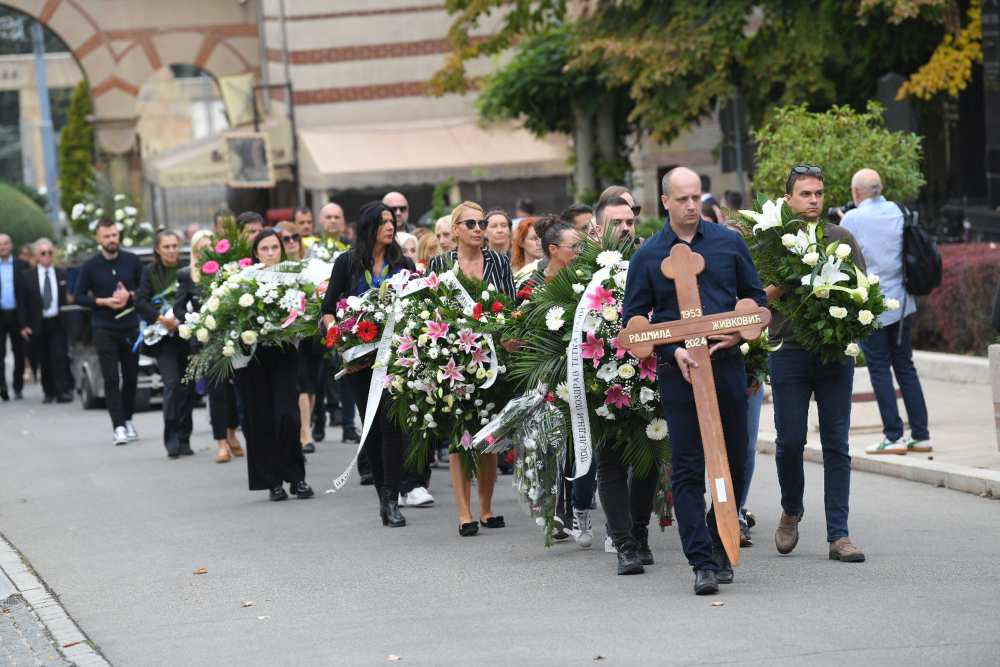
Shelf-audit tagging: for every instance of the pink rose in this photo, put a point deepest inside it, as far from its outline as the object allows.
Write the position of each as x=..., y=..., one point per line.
x=245, y=262
x=222, y=246
x=210, y=268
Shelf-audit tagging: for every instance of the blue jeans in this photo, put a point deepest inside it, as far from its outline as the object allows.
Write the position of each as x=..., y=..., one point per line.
x=795, y=376
x=755, y=402
x=887, y=353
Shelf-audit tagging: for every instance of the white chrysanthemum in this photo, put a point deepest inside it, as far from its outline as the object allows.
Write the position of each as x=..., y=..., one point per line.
x=626, y=371
x=852, y=350
x=609, y=313
x=646, y=395
x=609, y=258
x=608, y=371
x=246, y=300
x=656, y=429
x=579, y=288
x=838, y=312
x=866, y=317
x=554, y=318
x=248, y=337
x=810, y=258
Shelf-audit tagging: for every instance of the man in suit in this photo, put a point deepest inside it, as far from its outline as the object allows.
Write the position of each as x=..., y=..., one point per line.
x=13, y=316
x=46, y=295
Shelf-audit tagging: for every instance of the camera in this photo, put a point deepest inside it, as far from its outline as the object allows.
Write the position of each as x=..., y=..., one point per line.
x=836, y=213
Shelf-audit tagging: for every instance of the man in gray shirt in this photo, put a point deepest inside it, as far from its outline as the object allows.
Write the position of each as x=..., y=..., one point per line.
x=877, y=224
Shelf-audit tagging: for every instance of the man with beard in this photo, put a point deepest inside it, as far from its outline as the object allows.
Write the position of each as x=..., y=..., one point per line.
x=107, y=285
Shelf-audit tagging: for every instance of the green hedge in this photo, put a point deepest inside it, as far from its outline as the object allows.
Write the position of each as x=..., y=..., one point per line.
x=23, y=219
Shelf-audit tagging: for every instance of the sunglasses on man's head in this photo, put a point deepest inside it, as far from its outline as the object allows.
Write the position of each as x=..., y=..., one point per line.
x=807, y=170
x=471, y=224
x=285, y=238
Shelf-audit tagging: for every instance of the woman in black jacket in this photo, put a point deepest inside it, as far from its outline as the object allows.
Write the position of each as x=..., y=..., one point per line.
x=376, y=252
x=154, y=300
x=221, y=395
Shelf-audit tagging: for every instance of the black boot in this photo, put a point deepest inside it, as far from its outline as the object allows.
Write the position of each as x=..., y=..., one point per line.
x=389, y=508
x=629, y=561
x=641, y=536
x=725, y=574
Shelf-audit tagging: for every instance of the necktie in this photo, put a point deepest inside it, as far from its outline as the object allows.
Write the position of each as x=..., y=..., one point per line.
x=47, y=290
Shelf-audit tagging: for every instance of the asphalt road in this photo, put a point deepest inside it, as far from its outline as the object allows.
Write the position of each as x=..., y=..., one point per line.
x=117, y=532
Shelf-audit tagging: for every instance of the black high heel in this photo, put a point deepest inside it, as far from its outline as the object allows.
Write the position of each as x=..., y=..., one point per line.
x=468, y=529
x=389, y=508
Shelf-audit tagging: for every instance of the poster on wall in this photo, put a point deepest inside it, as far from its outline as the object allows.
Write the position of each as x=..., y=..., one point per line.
x=248, y=160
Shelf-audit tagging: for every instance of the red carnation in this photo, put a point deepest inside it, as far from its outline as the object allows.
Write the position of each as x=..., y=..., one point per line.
x=524, y=293
x=367, y=331
x=477, y=311
x=497, y=307
x=332, y=336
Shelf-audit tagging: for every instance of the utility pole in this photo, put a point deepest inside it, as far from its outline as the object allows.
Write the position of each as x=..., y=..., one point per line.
x=48, y=131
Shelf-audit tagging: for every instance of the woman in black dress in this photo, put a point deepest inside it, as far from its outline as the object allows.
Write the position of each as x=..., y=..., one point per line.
x=268, y=388
x=376, y=252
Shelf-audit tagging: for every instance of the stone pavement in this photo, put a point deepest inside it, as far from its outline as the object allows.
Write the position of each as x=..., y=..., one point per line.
x=960, y=404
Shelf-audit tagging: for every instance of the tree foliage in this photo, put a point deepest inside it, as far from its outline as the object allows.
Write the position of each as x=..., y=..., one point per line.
x=76, y=150
x=841, y=141
x=23, y=219
x=949, y=69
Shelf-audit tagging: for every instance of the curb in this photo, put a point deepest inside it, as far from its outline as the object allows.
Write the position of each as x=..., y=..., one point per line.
x=979, y=481
x=66, y=634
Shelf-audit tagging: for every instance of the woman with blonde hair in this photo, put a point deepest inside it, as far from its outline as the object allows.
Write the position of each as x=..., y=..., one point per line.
x=221, y=396
x=468, y=223
x=427, y=247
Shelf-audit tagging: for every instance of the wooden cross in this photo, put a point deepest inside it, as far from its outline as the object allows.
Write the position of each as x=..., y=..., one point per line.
x=640, y=337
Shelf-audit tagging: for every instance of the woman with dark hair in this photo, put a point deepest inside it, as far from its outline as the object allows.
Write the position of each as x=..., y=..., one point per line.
x=268, y=387
x=221, y=395
x=499, y=227
x=468, y=223
x=376, y=253
x=154, y=301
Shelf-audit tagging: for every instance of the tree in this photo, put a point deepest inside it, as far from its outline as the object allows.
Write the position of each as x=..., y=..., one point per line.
x=23, y=219
x=76, y=150
x=841, y=141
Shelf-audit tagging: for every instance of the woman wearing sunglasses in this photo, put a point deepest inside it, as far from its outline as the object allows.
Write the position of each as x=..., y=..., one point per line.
x=377, y=253
x=469, y=224
x=291, y=240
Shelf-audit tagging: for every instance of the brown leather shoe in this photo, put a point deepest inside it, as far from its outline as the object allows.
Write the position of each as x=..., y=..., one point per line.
x=845, y=551
x=787, y=534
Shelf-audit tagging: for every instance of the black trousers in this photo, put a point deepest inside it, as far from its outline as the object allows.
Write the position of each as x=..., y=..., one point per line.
x=178, y=397
x=384, y=446
x=120, y=368
x=9, y=329
x=52, y=353
x=626, y=498
x=222, y=409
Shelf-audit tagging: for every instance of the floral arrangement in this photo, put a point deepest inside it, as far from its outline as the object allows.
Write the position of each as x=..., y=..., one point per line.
x=441, y=370
x=538, y=469
x=258, y=306
x=95, y=207
x=230, y=254
x=621, y=390
x=359, y=325
x=829, y=301
x=755, y=354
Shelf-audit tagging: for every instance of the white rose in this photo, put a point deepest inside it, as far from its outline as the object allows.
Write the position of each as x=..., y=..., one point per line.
x=626, y=371
x=424, y=314
x=604, y=412
x=609, y=313
x=843, y=251
x=866, y=317
x=210, y=323
x=838, y=312
x=184, y=331
x=246, y=300
x=852, y=350
x=745, y=348
x=201, y=335
x=646, y=395
x=248, y=337
x=788, y=240
x=228, y=351
x=810, y=258
x=485, y=296
x=862, y=293
x=579, y=288
x=873, y=279
x=212, y=304
x=892, y=304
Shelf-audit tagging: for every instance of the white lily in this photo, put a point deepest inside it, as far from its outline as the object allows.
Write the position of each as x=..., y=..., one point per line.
x=768, y=218
x=829, y=275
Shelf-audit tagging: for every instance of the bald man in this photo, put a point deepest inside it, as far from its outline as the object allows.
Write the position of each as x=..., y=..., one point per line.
x=334, y=224
x=397, y=202
x=877, y=225
x=729, y=275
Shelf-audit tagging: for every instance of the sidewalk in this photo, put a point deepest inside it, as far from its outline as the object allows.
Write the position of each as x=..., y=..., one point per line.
x=960, y=404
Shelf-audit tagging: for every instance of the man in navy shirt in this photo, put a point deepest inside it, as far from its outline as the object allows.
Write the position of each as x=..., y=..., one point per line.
x=729, y=275
x=107, y=284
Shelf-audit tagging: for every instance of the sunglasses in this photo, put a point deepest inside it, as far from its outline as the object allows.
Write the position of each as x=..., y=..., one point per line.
x=44, y=252
x=806, y=170
x=291, y=237
x=636, y=210
x=471, y=224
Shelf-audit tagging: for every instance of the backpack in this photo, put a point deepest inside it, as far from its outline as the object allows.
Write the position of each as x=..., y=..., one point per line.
x=921, y=257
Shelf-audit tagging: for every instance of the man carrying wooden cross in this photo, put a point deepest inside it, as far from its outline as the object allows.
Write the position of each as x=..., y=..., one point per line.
x=728, y=276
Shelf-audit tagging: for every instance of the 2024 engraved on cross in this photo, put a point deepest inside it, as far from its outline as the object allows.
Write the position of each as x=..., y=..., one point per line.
x=749, y=320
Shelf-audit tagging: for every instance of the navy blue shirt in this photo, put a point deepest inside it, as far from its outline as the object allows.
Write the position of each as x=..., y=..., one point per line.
x=98, y=279
x=729, y=275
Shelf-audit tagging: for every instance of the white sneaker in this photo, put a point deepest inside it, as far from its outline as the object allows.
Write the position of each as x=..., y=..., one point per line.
x=583, y=533
x=120, y=436
x=887, y=446
x=609, y=546
x=913, y=445
x=419, y=497
x=130, y=431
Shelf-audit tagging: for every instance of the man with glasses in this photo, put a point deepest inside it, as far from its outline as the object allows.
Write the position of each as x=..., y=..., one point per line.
x=401, y=208
x=796, y=375
x=46, y=295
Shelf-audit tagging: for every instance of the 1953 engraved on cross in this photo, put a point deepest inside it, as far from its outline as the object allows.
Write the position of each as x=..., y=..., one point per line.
x=749, y=320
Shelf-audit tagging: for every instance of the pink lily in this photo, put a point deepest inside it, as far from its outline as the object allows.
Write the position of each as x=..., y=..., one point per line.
x=467, y=340
x=292, y=316
x=593, y=348
x=342, y=304
x=466, y=441
x=598, y=298
x=647, y=368
x=479, y=356
x=451, y=371
x=619, y=351
x=406, y=362
x=616, y=396
x=406, y=344
x=432, y=281
x=436, y=330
